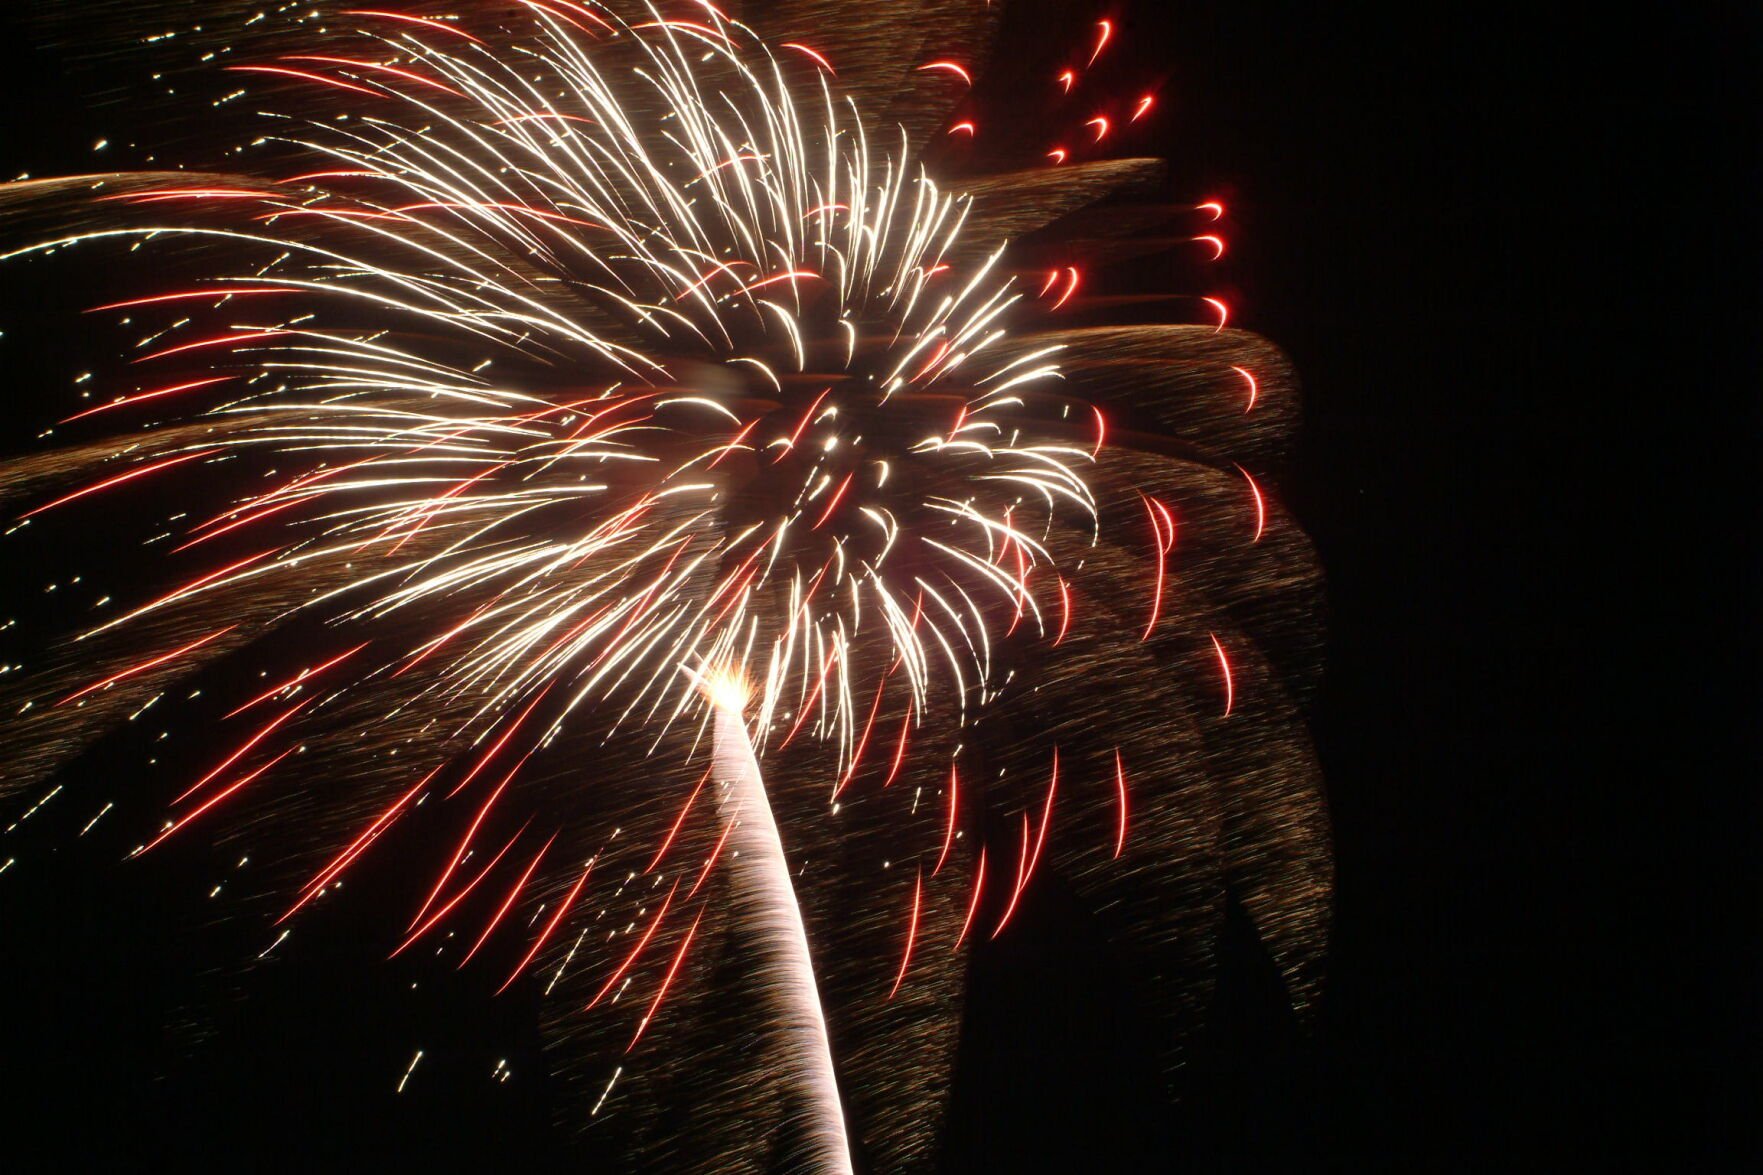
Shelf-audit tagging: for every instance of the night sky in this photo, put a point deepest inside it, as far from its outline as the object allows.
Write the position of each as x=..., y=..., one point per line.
x=1514, y=254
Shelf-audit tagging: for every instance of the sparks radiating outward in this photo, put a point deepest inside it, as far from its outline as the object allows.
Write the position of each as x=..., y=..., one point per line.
x=597, y=377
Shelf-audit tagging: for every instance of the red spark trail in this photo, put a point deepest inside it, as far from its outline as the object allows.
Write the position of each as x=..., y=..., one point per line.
x=141, y=397
x=823, y=62
x=512, y=895
x=240, y=753
x=1072, y=278
x=391, y=69
x=911, y=934
x=342, y=860
x=949, y=67
x=638, y=949
x=146, y=665
x=1105, y=33
x=1260, y=504
x=457, y=898
x=681, y=819
x=979, y=881
x=1230, y=692
x=1254, y=388
x=427, y=23
x=544, y=935
x=1120, y=784
x=183, y=821
x=119, y=479
x=303, y=675
x=1160, y=516
x=304, y=76
x=954, y=805
x=714, y=854
x=490, y=754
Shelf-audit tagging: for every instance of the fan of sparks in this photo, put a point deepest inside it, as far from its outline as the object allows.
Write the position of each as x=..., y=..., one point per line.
x=625, y=369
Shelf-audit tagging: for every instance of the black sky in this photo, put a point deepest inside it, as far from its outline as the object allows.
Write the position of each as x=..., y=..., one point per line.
x=1514, y=253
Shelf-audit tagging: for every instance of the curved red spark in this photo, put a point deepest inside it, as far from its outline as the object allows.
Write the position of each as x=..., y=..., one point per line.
x=519, y=884
x=1160, y=518
x=1254, y=387
x=715, y=853
x=949, y=832
x=794, y=275
x=1058, y=155
x=119, y=479
x=838, y=495
x=564, y=17
x=223, y=292
x=495, y=749
x=456, y=899
x=979, y=883
x=900, y=749
x=1120, y=787
x=303, y=676
x=180, y=824
x=862, y=743
x=823, y=62
x=1144, y=107
x=1046, y=818
x=1216, y=242
x=218, y=340
x=1105, y=33
x=126, y=401
x=391, y=69
x=1100, y=122
x=544, y=935
x=1101, y=432
x=465, y=841
x=242, y=751
x=679, y=820
x=667, y=982
x=343, y=859
x=1230, y=690
x=966, y=127
x=1260, y=504
x=1064, y=611
x=1068, y=79
x=911, y=934
x=1072, y=280
x=145, y=665
x=1223, y=312
x=304, y=76
x=1025, y=869
x=1016, y=891
x=638, y=949
x=1212, y=206
x=949, y=67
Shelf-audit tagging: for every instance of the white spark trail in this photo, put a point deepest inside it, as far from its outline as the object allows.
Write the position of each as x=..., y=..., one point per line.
x=765, y=902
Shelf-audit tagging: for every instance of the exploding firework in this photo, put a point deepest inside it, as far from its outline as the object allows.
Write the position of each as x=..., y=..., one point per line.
x=736, y=563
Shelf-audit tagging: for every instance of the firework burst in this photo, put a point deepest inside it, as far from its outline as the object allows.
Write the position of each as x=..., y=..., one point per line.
x=593, y=407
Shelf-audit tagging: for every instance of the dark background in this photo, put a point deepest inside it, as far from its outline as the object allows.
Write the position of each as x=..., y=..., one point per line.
x=1514, y=252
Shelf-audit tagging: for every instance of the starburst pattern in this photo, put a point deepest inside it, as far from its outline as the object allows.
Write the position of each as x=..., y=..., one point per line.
x=583, y=381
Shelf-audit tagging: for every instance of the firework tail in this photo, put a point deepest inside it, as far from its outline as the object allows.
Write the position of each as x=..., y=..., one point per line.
x=764, y=903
